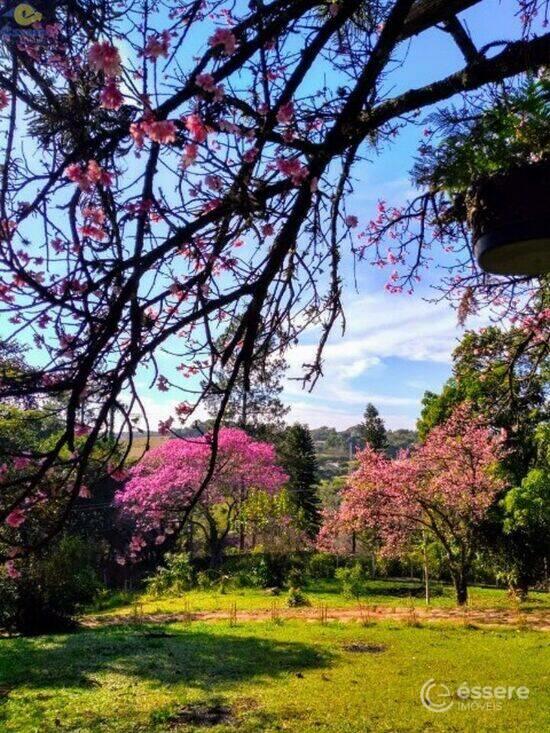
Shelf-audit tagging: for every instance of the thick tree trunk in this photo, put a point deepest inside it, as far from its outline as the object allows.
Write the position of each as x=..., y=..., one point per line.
x=216, y=554
x=461, y=586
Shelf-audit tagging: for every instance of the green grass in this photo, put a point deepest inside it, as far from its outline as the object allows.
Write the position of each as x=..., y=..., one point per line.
x=390, y=593
x=294, y=676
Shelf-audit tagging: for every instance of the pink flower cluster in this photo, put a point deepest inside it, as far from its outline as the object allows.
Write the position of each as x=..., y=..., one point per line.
x=164, y=481
x=293, y=169
x=224, y=37
x=89, y=177
x=159, y=131
x=105, y=57
x=157, y=46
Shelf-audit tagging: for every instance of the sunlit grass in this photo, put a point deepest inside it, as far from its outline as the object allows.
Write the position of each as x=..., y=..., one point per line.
x=386, y=593
x=290, y=676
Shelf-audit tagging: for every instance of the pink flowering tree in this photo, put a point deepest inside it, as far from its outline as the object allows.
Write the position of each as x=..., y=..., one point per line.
x=444, y=488
x=161, y=493
x=172, y=167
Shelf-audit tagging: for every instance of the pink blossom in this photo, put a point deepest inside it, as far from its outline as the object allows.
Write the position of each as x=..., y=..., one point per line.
x=196, y=127
x=285, y=114
x=250, y=155
x=157, y=46
x=110, y=96
x=162, y=131
x=4, y=99
x=165, y=426
x=292, y=168
x=104, y=57
x=351, y=221
x=87, y=178
x=213, y=182
x=12, y=571
x=189, y=156
x=170, y=473
x=15, y=518
x=223, y=37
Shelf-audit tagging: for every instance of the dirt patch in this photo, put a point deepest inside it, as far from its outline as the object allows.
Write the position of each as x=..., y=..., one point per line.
x=360, y=648
x=478, y=617
x=202, y=715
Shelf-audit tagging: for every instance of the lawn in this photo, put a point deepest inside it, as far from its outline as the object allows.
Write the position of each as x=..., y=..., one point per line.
x=387, y=593
x=264, y=676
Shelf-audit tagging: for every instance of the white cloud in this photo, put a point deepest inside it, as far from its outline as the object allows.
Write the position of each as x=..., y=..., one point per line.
x=379, y=327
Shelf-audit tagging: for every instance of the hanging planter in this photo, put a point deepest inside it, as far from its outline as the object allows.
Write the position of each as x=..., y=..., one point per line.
x=509, y=215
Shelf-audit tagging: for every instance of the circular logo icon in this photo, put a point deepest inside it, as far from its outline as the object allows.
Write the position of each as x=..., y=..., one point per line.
x=436, y=696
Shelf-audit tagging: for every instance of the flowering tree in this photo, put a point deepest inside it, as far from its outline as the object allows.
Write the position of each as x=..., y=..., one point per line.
x=171, y=167
x=445, y=487
x=161, y=493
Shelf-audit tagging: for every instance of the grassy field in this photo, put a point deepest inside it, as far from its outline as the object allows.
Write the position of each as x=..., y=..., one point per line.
x=387, y=593
x=262, y=677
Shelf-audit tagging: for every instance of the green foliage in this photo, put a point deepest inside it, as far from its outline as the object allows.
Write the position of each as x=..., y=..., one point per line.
x=373, y=431
x=321, y=565
x=298, y=459
x=174, y=578
x=515, y=130
x=352, y=580
x=296, y=598
x=51, y=588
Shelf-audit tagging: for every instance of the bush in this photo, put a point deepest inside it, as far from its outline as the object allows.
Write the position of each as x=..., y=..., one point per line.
x=352, y=580
x=296, y=597
x=173, y=579
x=321, y=565
x=51, y=589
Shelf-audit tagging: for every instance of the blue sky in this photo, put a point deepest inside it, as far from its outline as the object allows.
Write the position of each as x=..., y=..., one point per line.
x=395, y=347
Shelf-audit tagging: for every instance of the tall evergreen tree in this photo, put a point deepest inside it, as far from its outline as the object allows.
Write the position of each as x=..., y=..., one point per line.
x=373, y=431
x=298, y=459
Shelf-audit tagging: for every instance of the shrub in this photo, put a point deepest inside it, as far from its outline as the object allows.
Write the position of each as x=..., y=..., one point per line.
x=321, y=565
x=296, y=597
x=352, y=580
x=51, y=589
x=173, y=579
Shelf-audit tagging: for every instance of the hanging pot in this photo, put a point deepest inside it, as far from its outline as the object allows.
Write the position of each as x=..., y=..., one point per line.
x=509, y=215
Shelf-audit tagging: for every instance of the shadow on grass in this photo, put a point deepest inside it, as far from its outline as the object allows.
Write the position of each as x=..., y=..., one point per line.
x=194, y=657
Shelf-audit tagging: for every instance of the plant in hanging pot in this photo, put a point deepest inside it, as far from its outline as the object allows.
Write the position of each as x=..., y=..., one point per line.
x=509, y=216
x=495, y=167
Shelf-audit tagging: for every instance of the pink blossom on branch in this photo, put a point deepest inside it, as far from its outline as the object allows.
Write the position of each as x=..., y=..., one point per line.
x=105, y=57
x=224, y=37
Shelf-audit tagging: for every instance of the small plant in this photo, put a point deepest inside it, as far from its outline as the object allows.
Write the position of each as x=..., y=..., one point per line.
x=411, y=619
x=136, y=617
x=233, y=614
x=173, y=579
x=186, y=616
x=223, y=583
x=352, y=581
x=364, y=615
x=297, y=598
x=323, y=613
x=275, y=613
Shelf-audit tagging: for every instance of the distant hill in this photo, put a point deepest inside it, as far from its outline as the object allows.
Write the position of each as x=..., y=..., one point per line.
x=335, y=449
